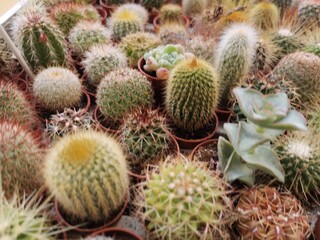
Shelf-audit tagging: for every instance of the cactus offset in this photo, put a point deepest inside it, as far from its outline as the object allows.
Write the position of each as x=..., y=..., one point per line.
x=151, y=4
x=87, y=173
x=264, y=15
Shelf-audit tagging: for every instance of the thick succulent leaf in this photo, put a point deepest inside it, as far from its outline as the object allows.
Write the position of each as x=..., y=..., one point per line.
x=293, y=121
x=232, y=131
x=279, y=102
x=225, y=150
x=266, y=160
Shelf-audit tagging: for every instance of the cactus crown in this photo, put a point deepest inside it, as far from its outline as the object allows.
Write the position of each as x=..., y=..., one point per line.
x=139, y=10
x=125, y=15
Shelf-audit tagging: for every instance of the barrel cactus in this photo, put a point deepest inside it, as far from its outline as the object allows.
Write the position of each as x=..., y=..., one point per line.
x=151, y=4
x=57, y=88
x=170, y=13
x=264, y=15
x=192, y=94
x=140, y=11
x=100, y=60
x=87, y=174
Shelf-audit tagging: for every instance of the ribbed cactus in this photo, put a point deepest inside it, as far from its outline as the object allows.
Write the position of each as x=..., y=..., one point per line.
x=234, y=57
x=57, y=88
x=299, y=154
x=87, y=174
x=21, y=159
x=309, y=15
x=264, y=15
x=172, y=33
x=170, y=13
x=140, y=11
x=122, y=91
x=183, y=200
x=135, y=45
x=6, y=60
x=193, y=7
x=144, y=134
x=192, y=94
x=100, y=60
x=150, y=4
x=40, y=41
x=125, y=22
x=87, y=34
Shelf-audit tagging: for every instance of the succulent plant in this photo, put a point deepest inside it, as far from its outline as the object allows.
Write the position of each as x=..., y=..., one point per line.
x=170, y=13
x=100, y=60
x=264, y=15
x=57, y=88
x=172, y=33
x=248, y=148
x=151, y=4
x=265, y=213
x=185, y=201
x=144, y=134
x=87, y=173
x=140, y=11
x=309, y=15
x=67, y=15
x=135, y=45
x=6, y=59
x=21, y=159
x=87, y=34
x=237, y=42
x=121, y=91
x=193, y=7
x=68, y=121
x=192, y=94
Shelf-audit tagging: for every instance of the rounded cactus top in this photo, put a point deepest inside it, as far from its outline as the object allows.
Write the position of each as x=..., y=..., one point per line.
x=125, y=15
x=139, y=10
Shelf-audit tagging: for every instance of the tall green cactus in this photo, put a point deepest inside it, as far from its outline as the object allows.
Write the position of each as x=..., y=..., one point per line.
x=87, y=173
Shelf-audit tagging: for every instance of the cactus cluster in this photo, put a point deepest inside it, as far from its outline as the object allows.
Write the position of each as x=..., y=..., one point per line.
x=193, y=7
x=151, y=4
x=170, y=13
x=121, y=91
x=192, y=94
x=100, y=60
x=264, y=15
x=57, y=88
x=140, y=11
x=87, y=174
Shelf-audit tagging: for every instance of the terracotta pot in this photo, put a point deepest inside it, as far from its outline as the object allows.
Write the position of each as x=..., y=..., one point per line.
x=215, y=141
x=100, y=119
x=223, y=114
x=117, y=233
x=156, y=22
x=103, y=13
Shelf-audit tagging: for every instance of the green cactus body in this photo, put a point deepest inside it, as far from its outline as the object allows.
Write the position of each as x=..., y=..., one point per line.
x=57, y=88
x=170, y=13
x=42, y=44
x=87, y=173
x=6, y=60
x=309, y=15
x=135, y=45
x=20, y=158
x=264, y=15
x=193, y=7
x=144, y=134
x=192, y=94
x=122, y=91
x=100, y=60
x=313, y=48
x=150, y=4
x=302, y=69
x=234, y=57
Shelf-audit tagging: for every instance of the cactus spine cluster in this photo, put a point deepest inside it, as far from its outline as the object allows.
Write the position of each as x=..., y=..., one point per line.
x=264, y=15
x=170, y=13
x=100, y=60
x=87, y=173
x=193, y=7
x=57, y=88
x=234, y=56
x=192, y=94
x=151, y=4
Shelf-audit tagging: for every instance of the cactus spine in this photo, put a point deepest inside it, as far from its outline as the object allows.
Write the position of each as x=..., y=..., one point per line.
x=87, y=173
x=192, y=94
x=264, y=15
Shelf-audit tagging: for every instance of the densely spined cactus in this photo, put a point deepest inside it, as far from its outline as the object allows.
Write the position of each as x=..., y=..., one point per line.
x=302, y=69
x=121, y=91
x=151, y=4
x=264, y=15
x=282, y=4
x=67, y=15
x=172, y=33
x=170, y=13
x=309, y=15
x=40, y=41
x=234, y=57
x=141, y=12
x=192, y=94
x=57, y=88
x=144, y=134
x=125, y=22
x=299, y=154
x=182, y=200
x=21, y=159
x=87, y=174
x=87, y=34
x=100, y=60
x=6, y=60
x=135, y=45
x=193, y=7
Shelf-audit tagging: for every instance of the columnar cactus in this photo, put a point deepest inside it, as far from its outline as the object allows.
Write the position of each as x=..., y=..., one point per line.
x=21, y=159
x=57, y=88
x=234, y=56
x=309, y=15
x=135, y=45
x=192, y=94
x=141, y=12
x=100, y=60
x=193, y=7
x=87, y=174
x=170, y=13
x=151, y=4
x=264, y=15
x=123, y=90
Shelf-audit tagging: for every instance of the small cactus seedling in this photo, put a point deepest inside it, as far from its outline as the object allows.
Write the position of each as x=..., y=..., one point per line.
x=100, y=60
x=140, y=11
x=57, y=88
x=264, y=15
x=87, y=173
x=193, y=7
x=170, y=13
x=151, y=4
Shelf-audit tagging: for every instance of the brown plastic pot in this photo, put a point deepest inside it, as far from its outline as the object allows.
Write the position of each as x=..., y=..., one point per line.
x=100, y=120
x=200, y=145
x=156, y=22
x=223, y=114
x=117, y=233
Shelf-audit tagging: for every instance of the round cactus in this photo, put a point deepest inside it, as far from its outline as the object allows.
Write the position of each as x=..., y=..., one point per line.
x=87, y=34
x=144, y=134
x=140, y=11
x=193, y=7
x=264, y=15
x=302, y=69
x=309, y=15
x=87, y=174
x=121, y=91
x=172, y=33
x=150, y=4
x=57, y=88
x=21, y=159
x=135, y=45
x=100, y=60
x=185, y=201
x=192, y=94
x=170, y=13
